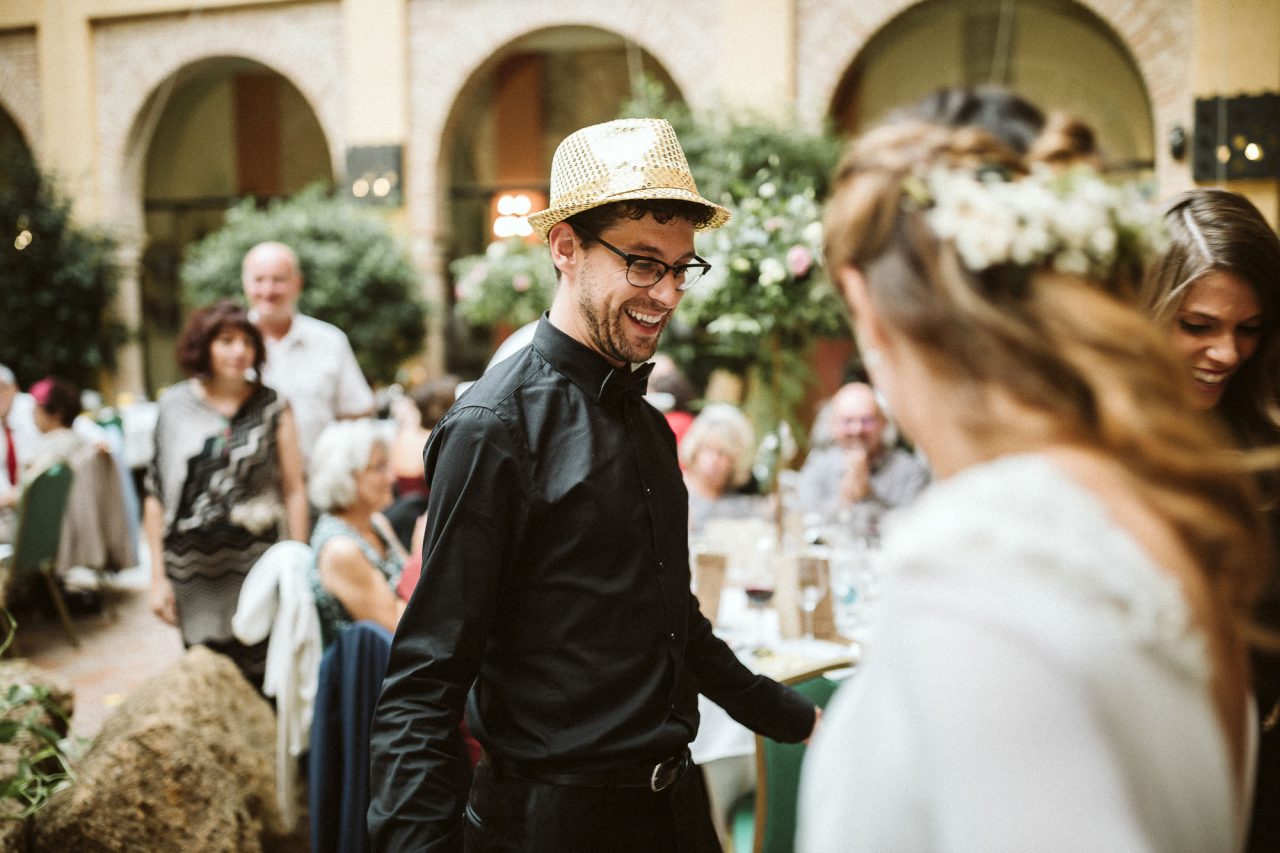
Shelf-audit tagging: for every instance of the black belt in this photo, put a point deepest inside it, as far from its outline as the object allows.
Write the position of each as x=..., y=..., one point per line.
x=655, y=777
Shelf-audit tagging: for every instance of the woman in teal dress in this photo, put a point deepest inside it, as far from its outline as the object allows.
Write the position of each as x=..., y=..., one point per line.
x=357, y=556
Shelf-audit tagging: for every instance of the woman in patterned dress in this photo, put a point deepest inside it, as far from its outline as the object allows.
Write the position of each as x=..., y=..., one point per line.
x=358, y=558
x=225, y=483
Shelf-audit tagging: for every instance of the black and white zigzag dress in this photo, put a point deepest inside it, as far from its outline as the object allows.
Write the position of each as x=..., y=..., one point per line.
x=207, y=471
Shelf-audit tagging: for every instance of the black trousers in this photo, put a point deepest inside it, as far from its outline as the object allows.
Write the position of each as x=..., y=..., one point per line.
x=506, y=814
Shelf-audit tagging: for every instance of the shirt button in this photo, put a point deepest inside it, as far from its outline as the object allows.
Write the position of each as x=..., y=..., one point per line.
x=661, y=565
x=673, y=638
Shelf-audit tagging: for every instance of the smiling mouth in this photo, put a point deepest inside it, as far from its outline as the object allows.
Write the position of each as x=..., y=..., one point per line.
x=649, y=320
x=1210, y=378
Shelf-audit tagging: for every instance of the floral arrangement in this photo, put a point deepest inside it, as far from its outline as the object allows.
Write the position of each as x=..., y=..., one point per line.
x=511, y=284
x=1074, y=222
x=767, y=274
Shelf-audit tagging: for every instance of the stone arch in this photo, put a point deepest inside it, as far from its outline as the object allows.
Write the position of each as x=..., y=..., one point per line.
x=475, y=32
x=137, y=62
x=1157, y=34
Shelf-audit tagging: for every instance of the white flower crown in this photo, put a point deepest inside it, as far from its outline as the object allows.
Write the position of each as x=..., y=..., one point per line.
x=1073, y=222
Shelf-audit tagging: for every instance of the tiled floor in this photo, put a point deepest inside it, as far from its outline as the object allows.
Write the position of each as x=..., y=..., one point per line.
x=115, y=654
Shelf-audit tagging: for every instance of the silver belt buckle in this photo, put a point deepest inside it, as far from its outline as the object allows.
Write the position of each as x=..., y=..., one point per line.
x=655, y=784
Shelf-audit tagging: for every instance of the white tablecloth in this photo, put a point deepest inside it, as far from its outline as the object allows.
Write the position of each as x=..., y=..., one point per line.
x=724, y=748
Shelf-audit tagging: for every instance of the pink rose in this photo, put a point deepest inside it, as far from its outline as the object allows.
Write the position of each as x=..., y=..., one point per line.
x=799, y=261
x=522, y=282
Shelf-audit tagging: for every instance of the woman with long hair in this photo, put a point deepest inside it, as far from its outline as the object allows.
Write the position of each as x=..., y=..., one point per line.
x=1215, y=290
x=1056, y=659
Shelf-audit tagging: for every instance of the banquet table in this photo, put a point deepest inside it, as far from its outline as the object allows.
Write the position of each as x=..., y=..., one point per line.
x=724, y=748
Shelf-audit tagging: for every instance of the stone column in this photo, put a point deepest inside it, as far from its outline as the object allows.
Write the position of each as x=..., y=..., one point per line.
x=130, y=373
x=756, y=67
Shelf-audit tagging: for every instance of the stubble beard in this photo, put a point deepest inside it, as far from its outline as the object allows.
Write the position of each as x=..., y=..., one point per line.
x=609, y=331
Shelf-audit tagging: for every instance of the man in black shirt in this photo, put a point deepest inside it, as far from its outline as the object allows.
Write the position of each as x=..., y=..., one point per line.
x=554, y=600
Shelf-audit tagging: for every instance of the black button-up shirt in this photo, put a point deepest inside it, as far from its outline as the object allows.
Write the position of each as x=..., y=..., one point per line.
x=556, y=580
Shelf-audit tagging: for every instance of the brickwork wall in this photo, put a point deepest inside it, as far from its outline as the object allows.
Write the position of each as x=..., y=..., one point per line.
x=136, y=60
x=831, y=33
x=20, y=83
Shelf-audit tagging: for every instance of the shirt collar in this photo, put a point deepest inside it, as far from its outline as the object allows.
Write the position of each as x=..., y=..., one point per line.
x=583, y=366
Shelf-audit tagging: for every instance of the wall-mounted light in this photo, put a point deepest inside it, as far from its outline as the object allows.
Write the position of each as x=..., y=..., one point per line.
x=513, y=215
x=1237, y=138
x=373, y=174
x=1178, y=142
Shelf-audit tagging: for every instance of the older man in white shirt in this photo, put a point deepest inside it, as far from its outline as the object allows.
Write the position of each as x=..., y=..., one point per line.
x=309, y=361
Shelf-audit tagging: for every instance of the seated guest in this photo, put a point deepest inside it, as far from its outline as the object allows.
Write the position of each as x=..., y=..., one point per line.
x=858, y=475
x=357, y=556
x=427, y=404
x=716, y=454
x=671, y=393
x=57, y=403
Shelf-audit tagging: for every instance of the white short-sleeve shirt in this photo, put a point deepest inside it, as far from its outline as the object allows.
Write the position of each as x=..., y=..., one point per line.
x=314, y=368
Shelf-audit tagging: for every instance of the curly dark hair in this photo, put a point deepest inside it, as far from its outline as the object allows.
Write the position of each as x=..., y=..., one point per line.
x=204, y=325
x=664, y=210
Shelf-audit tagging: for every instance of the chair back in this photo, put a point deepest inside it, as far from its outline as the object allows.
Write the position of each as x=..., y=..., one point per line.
x=40, y=520
x=778, y=769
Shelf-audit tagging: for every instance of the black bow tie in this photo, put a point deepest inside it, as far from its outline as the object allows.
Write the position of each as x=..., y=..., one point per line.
x=620, y=383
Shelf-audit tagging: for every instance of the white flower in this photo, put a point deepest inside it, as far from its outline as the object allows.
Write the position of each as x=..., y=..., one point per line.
x=812, y=233
x=1071, y=261
x=772, y=271
x=1073, y=222
x=729, y=324
x=257, y=515
x=767, y=190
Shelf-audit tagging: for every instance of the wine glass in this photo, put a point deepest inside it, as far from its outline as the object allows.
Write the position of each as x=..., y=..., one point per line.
x=813, y=577
x=759, y=586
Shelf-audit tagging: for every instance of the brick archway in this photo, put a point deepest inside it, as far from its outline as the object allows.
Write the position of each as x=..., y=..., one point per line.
x=1157, y=34
x=136, y=60
x=476, y=32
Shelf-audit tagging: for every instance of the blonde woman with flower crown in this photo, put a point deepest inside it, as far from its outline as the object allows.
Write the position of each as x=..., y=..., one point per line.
x=1056, y=660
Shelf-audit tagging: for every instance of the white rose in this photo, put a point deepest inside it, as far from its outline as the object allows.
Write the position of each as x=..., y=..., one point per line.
x=772, y=271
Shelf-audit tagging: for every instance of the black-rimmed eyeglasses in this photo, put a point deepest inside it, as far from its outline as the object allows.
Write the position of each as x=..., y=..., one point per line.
x=644, y=271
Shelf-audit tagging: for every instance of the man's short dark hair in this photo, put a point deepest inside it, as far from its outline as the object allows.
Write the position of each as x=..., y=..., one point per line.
x=205, y=325
x=664, y=210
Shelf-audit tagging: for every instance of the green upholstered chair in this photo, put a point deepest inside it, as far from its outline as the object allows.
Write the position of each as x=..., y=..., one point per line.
x=35, y=545
x=766, y=823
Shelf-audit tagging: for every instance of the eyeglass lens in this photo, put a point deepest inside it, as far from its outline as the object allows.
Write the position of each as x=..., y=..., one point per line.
x=645, y=272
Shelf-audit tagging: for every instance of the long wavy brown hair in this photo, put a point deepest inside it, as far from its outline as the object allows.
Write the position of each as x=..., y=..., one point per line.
x=1070, y=348
x=1215, y=230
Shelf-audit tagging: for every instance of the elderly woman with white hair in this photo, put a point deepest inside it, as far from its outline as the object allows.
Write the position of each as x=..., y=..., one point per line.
x=357, y=556
x=716, y=454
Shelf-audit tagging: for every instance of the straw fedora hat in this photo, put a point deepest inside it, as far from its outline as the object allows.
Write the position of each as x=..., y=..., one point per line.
x=623, y=160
